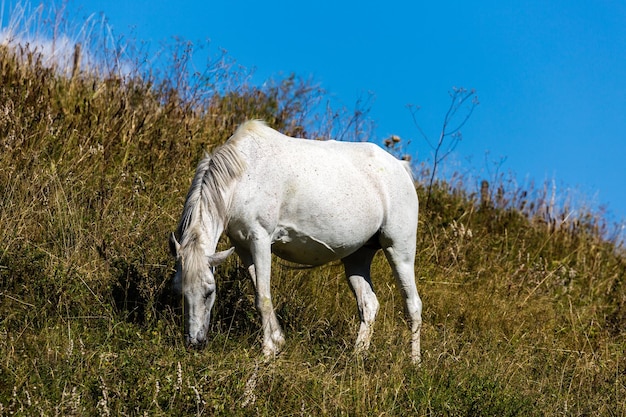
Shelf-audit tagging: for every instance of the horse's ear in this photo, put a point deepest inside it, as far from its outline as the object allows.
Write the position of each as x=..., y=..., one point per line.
x=174, y=246
x=219, y=257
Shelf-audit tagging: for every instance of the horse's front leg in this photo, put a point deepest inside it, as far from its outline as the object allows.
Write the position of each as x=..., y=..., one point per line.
x=260, y=270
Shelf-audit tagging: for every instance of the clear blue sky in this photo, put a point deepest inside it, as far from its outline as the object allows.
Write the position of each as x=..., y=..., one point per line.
x=550, y=75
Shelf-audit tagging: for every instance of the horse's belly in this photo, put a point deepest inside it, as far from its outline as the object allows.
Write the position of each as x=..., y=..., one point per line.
x=306, y=249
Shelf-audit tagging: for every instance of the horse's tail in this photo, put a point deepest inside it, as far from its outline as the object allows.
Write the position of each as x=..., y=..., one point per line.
x=407, y=166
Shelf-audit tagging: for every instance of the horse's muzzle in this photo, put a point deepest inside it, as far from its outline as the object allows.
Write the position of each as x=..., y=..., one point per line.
x=194, y=343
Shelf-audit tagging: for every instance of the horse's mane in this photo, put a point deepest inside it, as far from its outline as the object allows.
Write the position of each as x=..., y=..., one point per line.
x=208, y=193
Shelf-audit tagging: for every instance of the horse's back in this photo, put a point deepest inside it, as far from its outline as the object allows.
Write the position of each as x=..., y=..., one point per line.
x=312, y=161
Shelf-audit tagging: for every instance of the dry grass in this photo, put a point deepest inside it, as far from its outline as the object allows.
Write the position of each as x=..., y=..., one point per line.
x=524, y=311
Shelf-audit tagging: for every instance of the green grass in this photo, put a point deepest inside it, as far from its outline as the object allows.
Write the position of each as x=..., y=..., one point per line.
x=524, y=312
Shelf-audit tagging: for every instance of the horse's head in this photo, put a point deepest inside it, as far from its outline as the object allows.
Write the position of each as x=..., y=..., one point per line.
x=194, y=280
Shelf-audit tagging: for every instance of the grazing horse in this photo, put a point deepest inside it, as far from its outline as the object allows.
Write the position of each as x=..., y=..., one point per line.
x=309, y=202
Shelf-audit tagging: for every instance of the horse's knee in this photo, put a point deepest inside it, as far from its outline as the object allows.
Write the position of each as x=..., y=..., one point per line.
x=264, y=305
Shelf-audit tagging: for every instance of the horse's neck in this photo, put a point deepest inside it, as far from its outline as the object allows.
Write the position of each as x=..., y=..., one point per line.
x=208, y=216
x=211, y=229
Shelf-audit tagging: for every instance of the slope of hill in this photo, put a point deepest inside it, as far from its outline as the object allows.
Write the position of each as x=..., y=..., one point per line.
x=524, y=308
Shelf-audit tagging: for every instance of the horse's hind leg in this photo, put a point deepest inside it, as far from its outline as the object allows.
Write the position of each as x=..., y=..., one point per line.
x=357, y=268
x=402, y=261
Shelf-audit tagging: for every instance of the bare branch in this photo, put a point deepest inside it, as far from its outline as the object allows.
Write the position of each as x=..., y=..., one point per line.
x=458, y=99
x=414, y=109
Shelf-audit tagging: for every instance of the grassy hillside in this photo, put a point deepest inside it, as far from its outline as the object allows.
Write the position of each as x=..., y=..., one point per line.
x=524, y=309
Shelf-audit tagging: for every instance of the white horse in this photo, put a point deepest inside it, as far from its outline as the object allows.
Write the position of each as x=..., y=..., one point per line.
x=309, y=202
